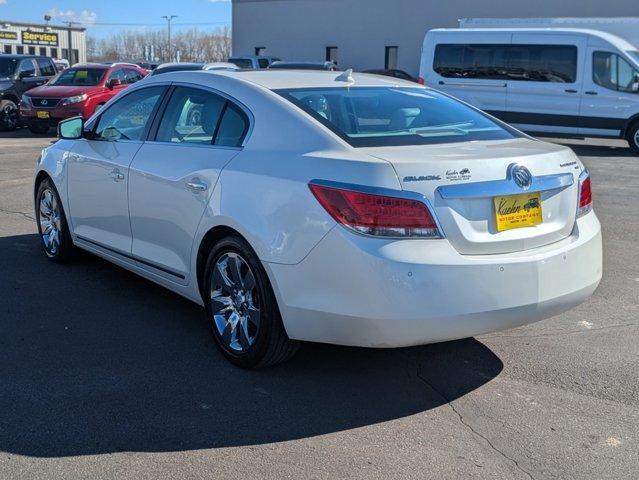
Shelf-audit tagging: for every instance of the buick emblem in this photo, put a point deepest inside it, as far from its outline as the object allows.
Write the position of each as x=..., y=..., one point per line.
x=44, y=102
x=522, y=176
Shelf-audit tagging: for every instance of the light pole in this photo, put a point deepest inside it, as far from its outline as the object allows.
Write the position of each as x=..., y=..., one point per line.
x=168, y=18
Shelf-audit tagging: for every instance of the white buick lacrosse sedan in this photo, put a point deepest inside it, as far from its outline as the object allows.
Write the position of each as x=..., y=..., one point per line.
x=323, y=206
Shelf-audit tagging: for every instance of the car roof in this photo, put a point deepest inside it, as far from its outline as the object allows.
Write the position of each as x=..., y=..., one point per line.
x=19, y=56
x=280, y=79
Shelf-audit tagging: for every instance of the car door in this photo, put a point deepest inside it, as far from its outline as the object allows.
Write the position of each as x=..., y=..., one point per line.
x=173, y=176
x=611, y=94
x=545, y=82
x=473, y=71
x=98, y=168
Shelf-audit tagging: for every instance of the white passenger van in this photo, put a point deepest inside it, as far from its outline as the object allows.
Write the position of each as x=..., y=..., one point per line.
x=570, y=82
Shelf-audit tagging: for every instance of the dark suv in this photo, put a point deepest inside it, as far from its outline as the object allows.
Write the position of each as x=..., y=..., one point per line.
x=19, y=73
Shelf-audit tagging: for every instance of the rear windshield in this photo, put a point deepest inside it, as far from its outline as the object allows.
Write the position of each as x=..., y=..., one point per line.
x=79, y=77
x=386, y=116
x=7, y=67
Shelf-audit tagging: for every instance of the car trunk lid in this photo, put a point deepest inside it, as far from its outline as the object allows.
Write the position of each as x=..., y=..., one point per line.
x=461, y=181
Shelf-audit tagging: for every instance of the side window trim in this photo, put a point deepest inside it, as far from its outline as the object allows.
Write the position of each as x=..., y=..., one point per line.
x=96, y=121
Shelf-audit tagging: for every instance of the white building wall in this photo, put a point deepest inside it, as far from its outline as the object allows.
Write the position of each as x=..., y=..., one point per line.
x=361, y=29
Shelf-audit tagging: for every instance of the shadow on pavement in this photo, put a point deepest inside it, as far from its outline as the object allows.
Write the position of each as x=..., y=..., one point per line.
x=97, y=360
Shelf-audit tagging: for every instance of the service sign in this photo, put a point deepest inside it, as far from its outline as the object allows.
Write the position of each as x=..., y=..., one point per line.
x=8, y=36
x=40, y=38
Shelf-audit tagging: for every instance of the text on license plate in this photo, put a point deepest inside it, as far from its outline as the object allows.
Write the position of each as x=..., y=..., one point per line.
x=516, y=211
x=42, y=114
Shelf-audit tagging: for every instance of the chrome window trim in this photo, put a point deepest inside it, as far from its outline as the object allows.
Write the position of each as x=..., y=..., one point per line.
x=389, y=192
x=193, y=145
x=506, y=186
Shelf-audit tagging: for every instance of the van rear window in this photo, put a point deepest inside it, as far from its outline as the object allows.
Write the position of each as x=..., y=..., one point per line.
x=535, y=63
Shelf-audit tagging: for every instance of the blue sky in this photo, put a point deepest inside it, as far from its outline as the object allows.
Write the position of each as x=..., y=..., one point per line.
x=207, y=14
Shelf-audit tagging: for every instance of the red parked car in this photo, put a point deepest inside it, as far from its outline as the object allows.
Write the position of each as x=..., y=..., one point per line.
x=78, y=90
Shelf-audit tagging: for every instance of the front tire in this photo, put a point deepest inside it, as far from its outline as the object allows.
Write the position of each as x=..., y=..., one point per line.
x=242, y=309
x=633, y=137
x=55, y=237
x=9, y=117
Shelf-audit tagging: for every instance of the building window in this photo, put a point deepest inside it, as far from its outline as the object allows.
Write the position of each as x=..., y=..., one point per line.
x=19, y=49
x=7, y=49
x=76, y=56
x=260, y=51
x=390, y=58
x=54, y=52
x=31, y=50
x=43, y=51
x=331, y=54
x=65, y=53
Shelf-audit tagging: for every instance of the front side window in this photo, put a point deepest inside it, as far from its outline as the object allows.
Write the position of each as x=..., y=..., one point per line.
x=79, y=77
x=385, y=116
x=537, y=63
x=27, y=68
x=127, y=118
x=611, y=71
x=191, y=116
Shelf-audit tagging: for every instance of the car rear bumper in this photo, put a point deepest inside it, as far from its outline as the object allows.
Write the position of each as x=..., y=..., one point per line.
x=354, y=290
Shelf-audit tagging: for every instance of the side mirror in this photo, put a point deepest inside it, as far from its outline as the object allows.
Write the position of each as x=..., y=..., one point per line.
x=71, y=129
x=114, y=82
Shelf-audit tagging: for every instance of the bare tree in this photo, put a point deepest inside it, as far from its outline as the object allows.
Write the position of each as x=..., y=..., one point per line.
x=193, y=45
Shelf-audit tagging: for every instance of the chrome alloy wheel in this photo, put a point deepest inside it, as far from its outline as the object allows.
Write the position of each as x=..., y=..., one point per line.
x=235, y=302
x=50, y=222
x=636, y=138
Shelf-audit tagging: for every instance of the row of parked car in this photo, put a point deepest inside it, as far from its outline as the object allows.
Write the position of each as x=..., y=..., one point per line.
x=38, y=93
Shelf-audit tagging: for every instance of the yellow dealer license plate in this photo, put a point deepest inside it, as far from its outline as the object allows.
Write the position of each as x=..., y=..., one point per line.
x=42, y=114
x=516, y=211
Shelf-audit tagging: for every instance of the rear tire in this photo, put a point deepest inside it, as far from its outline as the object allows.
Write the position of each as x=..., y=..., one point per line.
x=38, y=129
x=55, y=237
x=241, y=307
x=633, y=137
x=9, y=118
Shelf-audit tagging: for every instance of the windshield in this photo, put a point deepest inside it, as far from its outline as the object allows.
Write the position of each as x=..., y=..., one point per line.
x=79, y=77
x=385, y=116
x=7, y=67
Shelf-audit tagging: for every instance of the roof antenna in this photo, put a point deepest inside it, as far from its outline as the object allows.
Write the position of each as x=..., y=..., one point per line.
x=346, y=76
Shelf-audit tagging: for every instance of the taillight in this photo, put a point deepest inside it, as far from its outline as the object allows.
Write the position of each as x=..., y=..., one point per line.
x=585, y=194
x=421, y=81
x=375, y=214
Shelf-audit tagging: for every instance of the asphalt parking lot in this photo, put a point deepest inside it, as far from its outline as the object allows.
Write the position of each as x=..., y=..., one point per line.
x=105, y=375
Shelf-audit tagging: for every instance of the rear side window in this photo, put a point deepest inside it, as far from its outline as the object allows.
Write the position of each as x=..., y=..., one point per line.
x=537, y=63
x=241, y=62
x=263, y=63
x=191, y=116
x=233, y=127
x=47, y=68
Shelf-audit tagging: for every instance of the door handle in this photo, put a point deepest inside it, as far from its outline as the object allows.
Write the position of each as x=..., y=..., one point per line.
x=116, y=175
x=570, y=90
x=196, y=186
x=590, y=92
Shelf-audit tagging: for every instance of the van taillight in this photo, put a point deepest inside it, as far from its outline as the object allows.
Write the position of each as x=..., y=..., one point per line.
x=377, y=215
x=585, y=194
x=421, y=81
